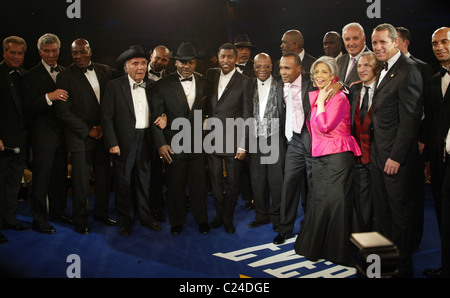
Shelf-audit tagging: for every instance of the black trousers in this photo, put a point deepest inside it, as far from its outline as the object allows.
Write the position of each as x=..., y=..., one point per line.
x=225, y=189
x=362, y=198
x=190, y=172
x=49, y=179
x=445, y=217
x=133, y=174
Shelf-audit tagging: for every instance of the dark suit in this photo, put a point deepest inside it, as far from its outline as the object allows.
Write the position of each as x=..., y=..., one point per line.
x=13, y=133
x=298, y=164
x=307, y=62
x=47, y=144
x=79, y=114
x=397, y=109
x=248, y=69
x=132, y=167
x=188, y=165
x=342, y=63
x=234, y=103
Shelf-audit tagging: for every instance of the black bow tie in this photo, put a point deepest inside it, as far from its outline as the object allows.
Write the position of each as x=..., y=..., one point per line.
x=90, y=67
x=444, y=71
x=186, y=79
x=158, y=74
x=56, y=68
x=15, y=72
x=240, y=66
x=385, y=66
x=142, y=85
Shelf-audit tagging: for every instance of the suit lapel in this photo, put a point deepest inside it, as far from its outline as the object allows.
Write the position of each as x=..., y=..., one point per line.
x=229, y=85
x=127, y=93
x=178, y=90
x=45, y=77
x=392, y=73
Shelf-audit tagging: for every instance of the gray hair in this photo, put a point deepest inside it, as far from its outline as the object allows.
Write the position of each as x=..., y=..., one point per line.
x=354, y=24
x=392, y=31
x=48, y=38
x=329, y=61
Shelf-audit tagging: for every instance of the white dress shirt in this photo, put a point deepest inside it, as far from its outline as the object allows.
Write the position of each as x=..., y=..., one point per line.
x=53, y=75
x=263, y=95
x=189, y=89
x=140, y=104
x=391, y=62
x=92, y=78
x=223, y=81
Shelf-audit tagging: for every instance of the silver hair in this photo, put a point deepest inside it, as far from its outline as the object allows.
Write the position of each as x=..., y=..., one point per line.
x=355, y=25
x=329, y=61
x=48, y=38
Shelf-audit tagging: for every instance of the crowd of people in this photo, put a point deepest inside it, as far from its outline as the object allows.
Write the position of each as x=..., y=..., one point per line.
x=356, y=136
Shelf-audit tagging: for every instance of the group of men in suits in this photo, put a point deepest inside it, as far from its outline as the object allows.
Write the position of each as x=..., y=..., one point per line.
x=130, y=118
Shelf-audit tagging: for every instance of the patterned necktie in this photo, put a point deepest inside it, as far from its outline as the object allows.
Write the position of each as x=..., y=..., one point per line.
x=136, y=85
x=288, y=126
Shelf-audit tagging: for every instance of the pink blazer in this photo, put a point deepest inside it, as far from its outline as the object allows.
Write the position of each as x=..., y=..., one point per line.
x=330, y=131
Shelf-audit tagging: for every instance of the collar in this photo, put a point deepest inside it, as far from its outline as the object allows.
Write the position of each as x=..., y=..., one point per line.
x=229, y=75
x=393, y=59
x=132, y=82
x=266, y=82
x=297, y=82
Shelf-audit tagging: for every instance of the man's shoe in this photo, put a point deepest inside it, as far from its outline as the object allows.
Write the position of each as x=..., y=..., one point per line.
x=256, y=224
x=44, y=228
x=106, y=221
x=176, y=230
x=280, y=239
x=153, y=226
x=82, y=229
x=203, y=228
x=433, y=272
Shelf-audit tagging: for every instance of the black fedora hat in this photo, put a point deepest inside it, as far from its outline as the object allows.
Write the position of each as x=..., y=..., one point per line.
x=185, y=52
x=242, y=40
x=135, y=51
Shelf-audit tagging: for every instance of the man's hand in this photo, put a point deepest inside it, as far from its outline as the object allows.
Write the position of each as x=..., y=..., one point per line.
x=58, y=94
x=115, y=150
x=240, y=154
x=335, y=87
x=164, y=152
x=391, y=167
x=96, y=132
x=2, y=147
x=161, y=121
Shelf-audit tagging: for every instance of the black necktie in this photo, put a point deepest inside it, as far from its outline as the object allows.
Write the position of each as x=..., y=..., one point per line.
x=56, y=68
x=364, y=105
x=240, y=66
x=186, y=79
x=385, y=66
x=444, y=71
x=158, y=74
x=90, y=67
x=136, y=85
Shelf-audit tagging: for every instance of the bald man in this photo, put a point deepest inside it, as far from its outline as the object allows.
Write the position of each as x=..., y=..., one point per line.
x=85, y=83
x=159, y=59
x=293, y=41
x=332, y=44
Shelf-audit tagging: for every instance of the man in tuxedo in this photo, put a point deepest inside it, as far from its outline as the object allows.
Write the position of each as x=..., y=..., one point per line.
x=157, y=69
x=298, y=161
x=13, y=132
x=437, y=123
x=417, y=175
x=182, y=95
x=244, y=62
x=355, y=44
x=125, y=120
x=332, y=44
x=266, y=177
x=47, y=137
x=229, y=99
x=397, y=110
x=293, y=41
x=85, y=83
x=360, y=97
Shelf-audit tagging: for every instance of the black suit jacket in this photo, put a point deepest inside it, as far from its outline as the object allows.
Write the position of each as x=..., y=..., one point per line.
x=342, y=63
x=81, y=111
x=236, y=102
x=169, y=98
x=397, y=109
x=13, y=123
x=249, y=70
x=117, y=115
x=45, y=128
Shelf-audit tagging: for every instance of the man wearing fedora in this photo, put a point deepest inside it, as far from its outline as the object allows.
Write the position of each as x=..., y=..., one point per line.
x=125, y=119
x=244, y=62
x=179, y=96
x=85, y=83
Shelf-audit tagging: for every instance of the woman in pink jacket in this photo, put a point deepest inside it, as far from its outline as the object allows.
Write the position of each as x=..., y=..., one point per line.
x=325, y=231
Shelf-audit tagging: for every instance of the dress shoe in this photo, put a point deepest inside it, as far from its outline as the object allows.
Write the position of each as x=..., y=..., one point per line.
x=256, y=224
x=44, y=228
x=216, y=223
x=18, y=227
x=229, y=228
x=280, y=239
x=3, y=239
x=250, y=204
x=176, y=230
x=433, y=272
x=82, y=229
x=203, y=228
x=125, y=231
x=153, y=226
x=106, y=221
